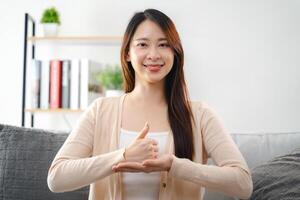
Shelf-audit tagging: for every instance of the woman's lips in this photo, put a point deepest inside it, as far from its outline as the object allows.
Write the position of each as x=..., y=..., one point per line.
x=153, y=68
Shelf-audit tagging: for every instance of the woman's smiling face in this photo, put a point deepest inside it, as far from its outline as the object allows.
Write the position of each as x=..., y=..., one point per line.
x=149, y=53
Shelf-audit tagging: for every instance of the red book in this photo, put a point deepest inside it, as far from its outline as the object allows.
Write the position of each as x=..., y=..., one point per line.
x=55, y=83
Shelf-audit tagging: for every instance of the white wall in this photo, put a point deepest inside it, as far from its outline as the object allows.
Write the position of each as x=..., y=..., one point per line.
x=241, y=56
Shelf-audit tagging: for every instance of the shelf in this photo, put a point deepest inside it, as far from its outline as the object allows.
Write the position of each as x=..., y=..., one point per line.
x=58, y=110
x=32, y=44
x=76, y=39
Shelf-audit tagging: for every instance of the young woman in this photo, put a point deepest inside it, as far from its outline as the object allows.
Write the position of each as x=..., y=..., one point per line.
x=152, y=142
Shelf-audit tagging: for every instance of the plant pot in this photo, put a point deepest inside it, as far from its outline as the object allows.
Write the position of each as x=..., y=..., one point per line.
x=50, y=29
x=113, y=93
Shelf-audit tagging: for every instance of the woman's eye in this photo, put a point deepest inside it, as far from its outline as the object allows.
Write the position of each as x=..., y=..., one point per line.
x=164, y=45
x=141, y=44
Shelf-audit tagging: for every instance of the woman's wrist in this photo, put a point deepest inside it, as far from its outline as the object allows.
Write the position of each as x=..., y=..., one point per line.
x=170, y=162
x=124, y=154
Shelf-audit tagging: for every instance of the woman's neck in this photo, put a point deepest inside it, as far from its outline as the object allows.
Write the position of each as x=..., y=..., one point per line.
x=148, y=94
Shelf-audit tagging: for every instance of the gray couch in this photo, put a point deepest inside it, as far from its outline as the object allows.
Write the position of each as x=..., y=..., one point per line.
x=26, y=154
x=25, y=157
x=266, y=155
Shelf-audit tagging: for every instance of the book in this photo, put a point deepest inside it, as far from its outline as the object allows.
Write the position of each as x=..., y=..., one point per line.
x=55, y=83
x=45, y=83
x=66, y=64
x=90, y=88
x=35, y=83
x=75, y=84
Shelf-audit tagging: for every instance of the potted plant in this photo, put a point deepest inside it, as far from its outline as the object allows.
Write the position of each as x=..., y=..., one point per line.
x=111, y=80
x=50, y=20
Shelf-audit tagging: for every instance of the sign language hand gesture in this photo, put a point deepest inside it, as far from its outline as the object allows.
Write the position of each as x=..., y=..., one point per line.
x=142, y=156
x=141, y=148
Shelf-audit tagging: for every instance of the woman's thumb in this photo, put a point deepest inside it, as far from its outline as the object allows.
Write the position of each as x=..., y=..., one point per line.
x=144, y=131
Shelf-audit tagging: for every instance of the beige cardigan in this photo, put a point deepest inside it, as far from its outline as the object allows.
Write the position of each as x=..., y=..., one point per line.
x=91, y=150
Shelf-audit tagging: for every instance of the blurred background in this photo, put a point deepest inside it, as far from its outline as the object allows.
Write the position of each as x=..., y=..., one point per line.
x=241, y=57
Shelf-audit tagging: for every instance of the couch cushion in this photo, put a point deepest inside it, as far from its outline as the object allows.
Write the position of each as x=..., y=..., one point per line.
x=25, y=157
x=267, y=145
x=278, y=178
x=258, y=148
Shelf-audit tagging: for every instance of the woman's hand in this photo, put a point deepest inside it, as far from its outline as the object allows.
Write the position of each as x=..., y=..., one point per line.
x=163, y=163
x=141, y=148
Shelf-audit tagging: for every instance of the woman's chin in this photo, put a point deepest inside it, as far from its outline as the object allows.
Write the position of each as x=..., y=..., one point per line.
x=153, y=80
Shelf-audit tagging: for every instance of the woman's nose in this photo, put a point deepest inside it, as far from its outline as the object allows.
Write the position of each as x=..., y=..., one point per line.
x=153, y=54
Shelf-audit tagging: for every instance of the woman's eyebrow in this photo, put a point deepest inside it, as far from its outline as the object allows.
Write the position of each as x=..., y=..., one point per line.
x=138, y=39
x=162, y=39
x=147, y=39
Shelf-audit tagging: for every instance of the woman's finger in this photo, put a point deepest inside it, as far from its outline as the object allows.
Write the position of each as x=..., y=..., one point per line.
x=151, y=163
x=133, y=165
x=154, y=142
x=155, y=148
x=146, y=169
x=130, y=168
x=127, y=170
x=143, y=132
x=154, y=154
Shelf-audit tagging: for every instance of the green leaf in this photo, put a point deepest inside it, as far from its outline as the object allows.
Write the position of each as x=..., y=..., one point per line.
x=111, y=77
x=50, y=15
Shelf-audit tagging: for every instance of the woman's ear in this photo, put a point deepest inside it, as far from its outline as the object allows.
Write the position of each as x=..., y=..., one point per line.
x=128, y=57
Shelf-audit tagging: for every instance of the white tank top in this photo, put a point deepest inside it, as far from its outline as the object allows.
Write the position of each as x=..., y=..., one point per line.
x=142, y=186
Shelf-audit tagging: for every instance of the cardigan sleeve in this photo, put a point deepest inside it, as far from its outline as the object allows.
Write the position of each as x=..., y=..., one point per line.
x=230, y=175
x=73, y=167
